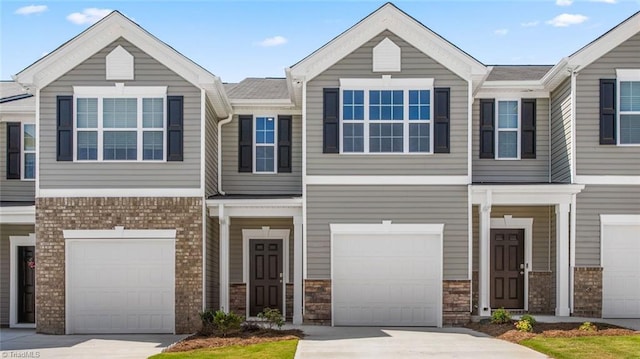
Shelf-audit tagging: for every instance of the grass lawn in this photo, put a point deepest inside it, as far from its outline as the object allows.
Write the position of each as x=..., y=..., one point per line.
x=596, y=347
x=284, y=349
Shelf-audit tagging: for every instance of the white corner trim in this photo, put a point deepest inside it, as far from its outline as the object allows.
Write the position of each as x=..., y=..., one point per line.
x=119, y=233
x=608, y=180
x=14, y=243
x=18, y=215
x=121, y=192
x=386, y=227
x=265, y=233
x=620, y=219
x=386, y=82
x=387, y=180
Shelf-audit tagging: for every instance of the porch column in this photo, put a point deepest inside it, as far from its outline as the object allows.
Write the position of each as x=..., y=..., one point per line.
x=562, y=260
x=484, y=302
x=224, y=259
x=297, y=270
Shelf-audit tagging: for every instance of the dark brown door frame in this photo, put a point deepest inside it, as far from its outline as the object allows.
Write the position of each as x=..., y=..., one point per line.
x=284, y=263
x=521, y=266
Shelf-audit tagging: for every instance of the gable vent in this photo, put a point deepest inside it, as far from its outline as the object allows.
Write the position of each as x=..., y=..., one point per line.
x=386, y=56
x=119, y=64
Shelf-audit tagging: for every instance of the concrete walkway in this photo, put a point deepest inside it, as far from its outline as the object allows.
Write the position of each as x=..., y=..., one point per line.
x=368, y=342
x=25, y=343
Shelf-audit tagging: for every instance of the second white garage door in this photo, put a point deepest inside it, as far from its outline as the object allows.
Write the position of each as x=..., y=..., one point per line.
x=120, y=286
x=621, y=268
x=387, y=279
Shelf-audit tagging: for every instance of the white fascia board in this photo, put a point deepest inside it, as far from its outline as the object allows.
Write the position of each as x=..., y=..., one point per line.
x=278, y=207
x=556, y=75
x=119, y=233
x=387, y=180
x=121, y=192
x=607, y=42
x=386, y=227
x=524, y=194
x=620, y=219
x=608, y=180
x=388, y=17
x=18, y=215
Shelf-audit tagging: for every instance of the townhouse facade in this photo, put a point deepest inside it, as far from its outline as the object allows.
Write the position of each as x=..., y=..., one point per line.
x=389, y=179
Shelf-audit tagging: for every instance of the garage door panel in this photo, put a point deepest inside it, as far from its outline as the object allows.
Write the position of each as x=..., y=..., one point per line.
x=386, y=280
x=621, y=271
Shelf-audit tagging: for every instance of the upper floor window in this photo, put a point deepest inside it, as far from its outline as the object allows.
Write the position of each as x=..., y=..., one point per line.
x=386, y=116
x=112, y=125
x=629, y=116
x=507, y=138
x=21, y=150
x=507, y=129
x=265, y=144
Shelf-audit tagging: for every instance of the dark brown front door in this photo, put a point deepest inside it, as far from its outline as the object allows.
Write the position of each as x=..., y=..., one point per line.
x=507, y=268
x=266, y=275
x=26, y=284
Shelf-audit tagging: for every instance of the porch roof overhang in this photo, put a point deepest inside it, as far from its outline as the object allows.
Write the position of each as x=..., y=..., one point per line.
x=232, y=206
x=17, y=214
x=523, y=194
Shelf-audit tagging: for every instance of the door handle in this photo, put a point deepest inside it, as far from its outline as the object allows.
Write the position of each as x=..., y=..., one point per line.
x=521, y=272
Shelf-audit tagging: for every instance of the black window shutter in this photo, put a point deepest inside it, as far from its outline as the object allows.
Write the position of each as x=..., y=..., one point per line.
x=607, y=111
x=487, y=118
x=442, y=120
x=245, y=143
x=13, y=150
x=175, y=128
x=528, y=131
x=284, y=144
x=64, y=133
x=331, y=121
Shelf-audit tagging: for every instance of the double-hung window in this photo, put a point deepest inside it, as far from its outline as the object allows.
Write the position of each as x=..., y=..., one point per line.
x=508, y=129
x=120, y=124
x=629, y=113
x=29, y=151
x=265, y=144
x=386, y=115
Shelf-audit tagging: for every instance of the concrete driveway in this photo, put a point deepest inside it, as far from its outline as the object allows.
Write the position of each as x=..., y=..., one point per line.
x=367, y=342
x=25, y=343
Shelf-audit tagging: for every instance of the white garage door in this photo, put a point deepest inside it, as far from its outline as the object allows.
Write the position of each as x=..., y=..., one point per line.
x=621, y=271
x=386, y=279
x=120, y=286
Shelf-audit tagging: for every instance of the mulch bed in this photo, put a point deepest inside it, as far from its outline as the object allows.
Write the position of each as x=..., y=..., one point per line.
x=549, y=330
x=199, y=341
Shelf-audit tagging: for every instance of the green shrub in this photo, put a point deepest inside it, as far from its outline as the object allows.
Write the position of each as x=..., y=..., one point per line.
x=588, y=327
x=272, y=317
x=524, y=326
x=220, y=323
x=500, y=316
x=529, y=318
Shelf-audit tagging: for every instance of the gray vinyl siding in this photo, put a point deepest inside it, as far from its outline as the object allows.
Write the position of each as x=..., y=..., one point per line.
x=212, y=287
x=400, y=204
x=544, y=233
x=415, y=64
x=7, y=230
x=235, y=242
x=234, y=182
x=211, y=151
x=593, y=158
x=12, y=190
x=523, y=170
x=148, y=72
x=561, y=140
x=591, y=203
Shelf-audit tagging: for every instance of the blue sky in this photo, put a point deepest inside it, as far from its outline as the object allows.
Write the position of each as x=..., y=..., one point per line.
x=238, y=39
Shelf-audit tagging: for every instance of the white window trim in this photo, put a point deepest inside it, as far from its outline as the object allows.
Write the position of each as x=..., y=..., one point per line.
x=386, y=83
x=120, y=91
x=15, y=242
x=275, y=144
x=498, y=130
x=23, y=152
x=623, y=75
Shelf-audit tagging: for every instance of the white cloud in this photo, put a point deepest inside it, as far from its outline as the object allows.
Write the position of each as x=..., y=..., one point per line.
x=564, y=2
x=530, y=23
x=88, y=16
x=606, y=1
x=273, y=41
x=501, y=32
x=564, y=20
x=31, y=9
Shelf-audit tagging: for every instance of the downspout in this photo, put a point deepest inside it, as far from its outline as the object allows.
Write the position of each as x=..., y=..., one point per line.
x=220, y=124
x=550, y=139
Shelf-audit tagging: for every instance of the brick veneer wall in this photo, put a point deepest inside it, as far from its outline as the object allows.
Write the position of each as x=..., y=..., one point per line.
x=317, y=301
x=475, y=294
x=456, y=301
x=289, y=301
x=587, y=289
x=238, y=298
x=541, y=293
x=53, y=215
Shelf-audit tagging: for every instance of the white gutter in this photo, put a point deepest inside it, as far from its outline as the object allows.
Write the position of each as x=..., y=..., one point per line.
x=220, y=124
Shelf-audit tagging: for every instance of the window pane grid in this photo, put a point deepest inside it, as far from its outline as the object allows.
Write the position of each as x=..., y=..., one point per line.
x=120, y=145
x=87, y=146
x=419, y=105
x=629, y=129
x=507, y=133
x=265, y=139
x=265, y=158
x=386, y=105
x=386, y=137
x=120, y=112
x=87, y=113
x=419, y=137
x=29, y=151
x=152, y=148
x=353, y=105
x=630, y=96
x=152, y=113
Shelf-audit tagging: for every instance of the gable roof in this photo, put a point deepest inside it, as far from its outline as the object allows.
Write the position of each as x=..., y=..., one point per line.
x=388, y=17
x=111, y=27
x=14, y=99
